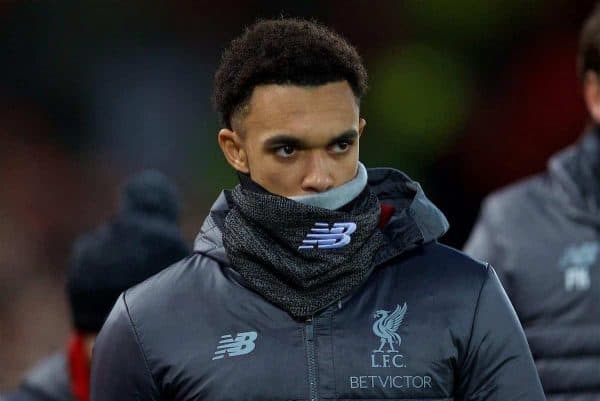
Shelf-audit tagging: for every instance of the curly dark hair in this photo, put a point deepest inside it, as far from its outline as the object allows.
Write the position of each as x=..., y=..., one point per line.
x=588, y=56
x=284, y=51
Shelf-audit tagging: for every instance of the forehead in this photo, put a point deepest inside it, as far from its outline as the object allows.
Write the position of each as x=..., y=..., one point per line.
x=329, y=108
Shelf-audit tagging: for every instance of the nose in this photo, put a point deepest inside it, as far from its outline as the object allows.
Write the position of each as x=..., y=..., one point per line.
x=318, y=177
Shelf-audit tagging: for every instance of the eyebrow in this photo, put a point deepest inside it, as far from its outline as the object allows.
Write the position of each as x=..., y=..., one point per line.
x=291, y=140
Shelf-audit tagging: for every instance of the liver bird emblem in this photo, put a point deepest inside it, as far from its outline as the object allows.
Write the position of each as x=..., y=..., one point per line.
x=386, y=325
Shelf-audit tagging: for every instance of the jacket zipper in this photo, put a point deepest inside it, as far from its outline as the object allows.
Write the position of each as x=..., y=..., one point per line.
x=375, y=266
x=310, y=343
x=311, y=357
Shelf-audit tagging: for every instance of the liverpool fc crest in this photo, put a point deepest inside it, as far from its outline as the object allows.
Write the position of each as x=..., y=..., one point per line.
x=386, y=326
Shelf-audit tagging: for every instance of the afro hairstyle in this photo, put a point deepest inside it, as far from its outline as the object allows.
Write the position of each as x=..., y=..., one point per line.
x=284, y=51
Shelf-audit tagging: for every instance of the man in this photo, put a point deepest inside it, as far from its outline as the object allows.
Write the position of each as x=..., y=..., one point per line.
x=542, y=236
x=314, y=278
x=142, y=240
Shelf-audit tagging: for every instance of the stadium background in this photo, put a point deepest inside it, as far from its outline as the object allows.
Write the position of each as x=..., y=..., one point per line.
x=466, y=96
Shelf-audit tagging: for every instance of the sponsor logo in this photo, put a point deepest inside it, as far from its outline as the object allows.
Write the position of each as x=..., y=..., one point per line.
x=388, y=355
x=325, y=237
x=390, y=382
x=576, y=262
x=242, y=344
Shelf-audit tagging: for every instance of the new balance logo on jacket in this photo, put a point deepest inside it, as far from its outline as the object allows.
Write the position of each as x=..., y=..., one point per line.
x=242, y=344
x=325, y=237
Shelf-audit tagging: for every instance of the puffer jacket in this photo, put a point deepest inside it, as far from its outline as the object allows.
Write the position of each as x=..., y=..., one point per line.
x=428, y=323
x=543, y=237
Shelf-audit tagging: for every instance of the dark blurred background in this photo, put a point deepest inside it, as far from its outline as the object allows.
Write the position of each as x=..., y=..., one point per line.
x=466, y=96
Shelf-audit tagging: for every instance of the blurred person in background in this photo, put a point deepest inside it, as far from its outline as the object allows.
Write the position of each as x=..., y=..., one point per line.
x=542, y=236
x=314, y=277
x=140, y=241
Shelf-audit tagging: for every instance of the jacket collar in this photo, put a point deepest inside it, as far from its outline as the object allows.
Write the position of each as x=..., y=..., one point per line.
x=416, y=220
x=575, y=175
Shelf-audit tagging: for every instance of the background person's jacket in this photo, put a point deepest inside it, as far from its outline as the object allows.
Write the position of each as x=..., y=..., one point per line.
x=542, y=236
x=48, y=381
x=429, y=323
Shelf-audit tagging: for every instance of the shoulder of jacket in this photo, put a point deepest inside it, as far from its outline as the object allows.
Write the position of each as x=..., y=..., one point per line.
x=443, y=263
x=188, y=273
x=47, y=381
x=457, y=258
x=499, y=206
x=24, y=394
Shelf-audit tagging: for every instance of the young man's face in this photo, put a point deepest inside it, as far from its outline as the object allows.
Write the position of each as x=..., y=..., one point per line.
x=296, y=140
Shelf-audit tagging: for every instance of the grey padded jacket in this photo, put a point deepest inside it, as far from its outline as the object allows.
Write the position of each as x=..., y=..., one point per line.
x=429, y=323
x=542, y=235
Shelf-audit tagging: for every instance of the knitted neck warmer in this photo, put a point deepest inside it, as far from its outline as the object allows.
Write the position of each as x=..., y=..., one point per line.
x=300, y=257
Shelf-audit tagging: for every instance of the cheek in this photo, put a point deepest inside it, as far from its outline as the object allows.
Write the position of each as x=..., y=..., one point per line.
x=282, y=179
x=345, y=169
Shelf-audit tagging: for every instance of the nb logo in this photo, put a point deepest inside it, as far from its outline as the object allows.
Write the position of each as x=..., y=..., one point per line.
x=242, y=344
x=324, y=237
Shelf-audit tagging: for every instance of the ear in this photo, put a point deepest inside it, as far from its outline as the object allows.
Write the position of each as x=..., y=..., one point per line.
x=233, y=148
x=591, y=94
x=361, y=126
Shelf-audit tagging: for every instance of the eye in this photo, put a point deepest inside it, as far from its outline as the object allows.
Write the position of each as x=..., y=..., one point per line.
x=285, y=151
x=340, y=147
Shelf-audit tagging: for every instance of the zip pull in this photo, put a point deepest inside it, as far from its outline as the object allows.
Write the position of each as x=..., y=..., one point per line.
x=309, y=329
x=340, y=304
